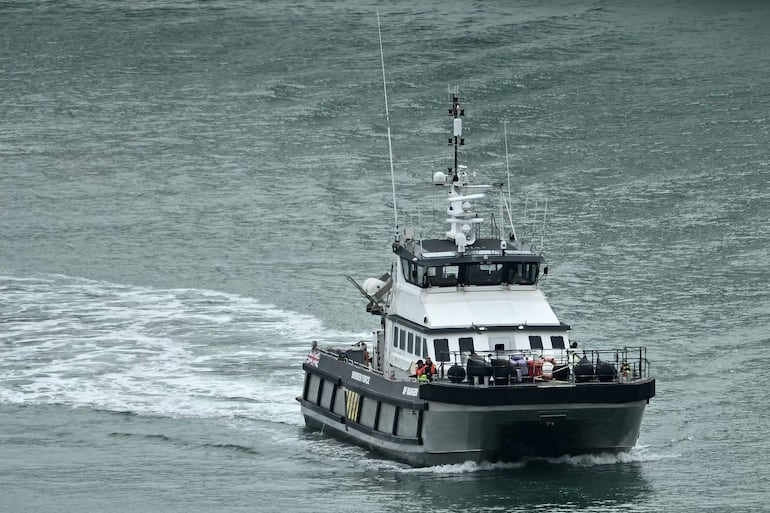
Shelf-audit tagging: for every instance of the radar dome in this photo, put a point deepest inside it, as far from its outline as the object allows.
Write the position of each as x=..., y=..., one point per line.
x=372, y=285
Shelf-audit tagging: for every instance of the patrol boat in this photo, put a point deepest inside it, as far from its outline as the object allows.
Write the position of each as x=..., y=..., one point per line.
x=510, y=383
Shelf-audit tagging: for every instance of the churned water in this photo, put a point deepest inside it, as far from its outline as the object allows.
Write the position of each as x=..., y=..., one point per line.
x=183, y=185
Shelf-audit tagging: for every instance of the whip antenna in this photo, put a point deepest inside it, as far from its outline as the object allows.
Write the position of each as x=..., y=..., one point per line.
x=387, y=122
x=507, y=164
x=542, y=234
x=508, y=174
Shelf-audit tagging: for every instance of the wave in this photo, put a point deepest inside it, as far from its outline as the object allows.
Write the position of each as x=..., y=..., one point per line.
x=156, y=352
x=178, y=442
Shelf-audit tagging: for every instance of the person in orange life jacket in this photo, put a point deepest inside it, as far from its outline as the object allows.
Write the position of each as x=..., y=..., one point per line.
x=429, y=369
x=418, y=369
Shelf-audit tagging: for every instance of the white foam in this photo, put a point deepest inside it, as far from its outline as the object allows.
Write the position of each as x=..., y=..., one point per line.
x=467, y=467
x=165, y=352
x=639, y=454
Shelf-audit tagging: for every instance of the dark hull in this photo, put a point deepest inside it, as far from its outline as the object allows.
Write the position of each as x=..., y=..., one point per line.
x=440, y=423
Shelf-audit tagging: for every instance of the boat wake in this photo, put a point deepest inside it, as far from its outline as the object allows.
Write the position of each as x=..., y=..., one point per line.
x=639, y=454
x=154, y=352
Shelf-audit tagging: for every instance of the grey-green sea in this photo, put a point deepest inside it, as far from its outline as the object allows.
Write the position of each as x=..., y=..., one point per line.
x=184, y=185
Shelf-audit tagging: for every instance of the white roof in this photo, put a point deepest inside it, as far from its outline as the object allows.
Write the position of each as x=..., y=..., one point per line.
x=480, y=307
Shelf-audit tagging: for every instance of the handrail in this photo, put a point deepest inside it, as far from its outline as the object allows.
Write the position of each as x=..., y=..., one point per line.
x=626, y=364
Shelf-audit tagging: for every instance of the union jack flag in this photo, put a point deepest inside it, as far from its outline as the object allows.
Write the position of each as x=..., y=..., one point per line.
x=312, y=359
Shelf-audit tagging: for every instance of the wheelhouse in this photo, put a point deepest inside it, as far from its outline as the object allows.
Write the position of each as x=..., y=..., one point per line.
x=482, y=267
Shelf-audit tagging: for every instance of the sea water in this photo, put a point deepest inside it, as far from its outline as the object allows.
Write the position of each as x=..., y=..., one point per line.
x=184, y=184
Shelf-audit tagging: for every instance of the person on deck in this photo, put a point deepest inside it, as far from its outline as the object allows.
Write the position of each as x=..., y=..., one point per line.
x=418, y=368
x=429, y=369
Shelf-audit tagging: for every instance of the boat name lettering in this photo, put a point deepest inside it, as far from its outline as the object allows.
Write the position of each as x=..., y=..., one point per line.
x=357, y=376
x=409, y=391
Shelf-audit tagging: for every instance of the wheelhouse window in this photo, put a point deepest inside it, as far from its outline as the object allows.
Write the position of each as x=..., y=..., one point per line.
x=441, y=346
x=466, y=344
x=523, y=273
x=484, y=274
x=409, y=269
x=395, y=336
x=500, y=343
x=444, y=275
x=557, y=342
x=401, y=339
x=410, y=343
x=413, y=273
x=535, y=342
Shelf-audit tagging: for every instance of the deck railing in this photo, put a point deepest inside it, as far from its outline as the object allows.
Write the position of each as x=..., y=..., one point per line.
x=566, y=365
x=572, y=365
